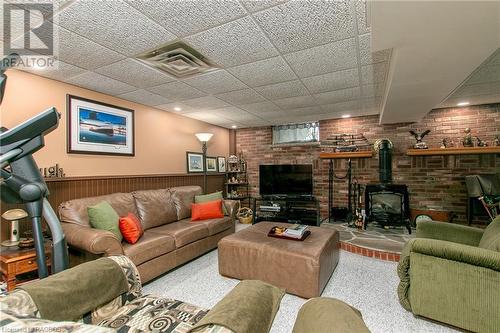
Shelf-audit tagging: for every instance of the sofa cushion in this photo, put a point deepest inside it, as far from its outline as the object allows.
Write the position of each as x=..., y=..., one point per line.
x=183, y=197
x=183, y=232
x=155, y=207
x=102, y=216
x=75, y=211
x=215, y=226
x=211, y=197
x=491, y=236
x=149, y=246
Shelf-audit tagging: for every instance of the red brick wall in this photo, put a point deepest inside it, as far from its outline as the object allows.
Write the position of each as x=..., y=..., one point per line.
x=434, y=182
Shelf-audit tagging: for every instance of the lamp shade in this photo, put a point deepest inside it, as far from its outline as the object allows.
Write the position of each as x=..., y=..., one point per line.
x=204, y=137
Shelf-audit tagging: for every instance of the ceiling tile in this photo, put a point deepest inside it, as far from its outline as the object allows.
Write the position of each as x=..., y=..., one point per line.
x=239, y=97
x=233, y=43
x=283, y=90
x=115, y=25
x=187, y=17
x=144, y=97
x=176, y=91
x=296, y=102
x=373, y=90
x=361, y=17
x=236, y=114
x=366, y=55
x=264, y=72
x=260, y=108
x=374, y=73
x=332, y=81
x=63, y=72
x=306, y=111
x=324, y=59
x=184, y=108
x=135, y=73
x=338, y=96
x=207, y=102
x=208, y=117
x=346, y=107
x=485, y=74
x=256, y=5
x=100, y=83
x=216, y=82
x=297, y=25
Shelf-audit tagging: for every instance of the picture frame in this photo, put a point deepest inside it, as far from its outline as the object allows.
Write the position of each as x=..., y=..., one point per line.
x=221, y=164
x=97, y=128
x=194, y=162
x=211, y=164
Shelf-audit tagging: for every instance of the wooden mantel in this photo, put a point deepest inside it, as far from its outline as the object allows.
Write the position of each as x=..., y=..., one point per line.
x=453, y=151
x=353, y=154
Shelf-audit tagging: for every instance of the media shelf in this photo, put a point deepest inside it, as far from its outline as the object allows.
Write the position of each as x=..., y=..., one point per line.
x=290, y=210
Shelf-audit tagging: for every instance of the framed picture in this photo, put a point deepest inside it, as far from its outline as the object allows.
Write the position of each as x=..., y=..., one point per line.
x=211, y=164
x=221, y=163
x=194, y=162
x=99, y=128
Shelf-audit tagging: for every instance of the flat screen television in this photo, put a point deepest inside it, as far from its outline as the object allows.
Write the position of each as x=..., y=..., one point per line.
x=292, y=180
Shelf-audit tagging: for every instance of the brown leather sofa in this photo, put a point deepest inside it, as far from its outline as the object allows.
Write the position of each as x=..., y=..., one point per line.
x=169, y=238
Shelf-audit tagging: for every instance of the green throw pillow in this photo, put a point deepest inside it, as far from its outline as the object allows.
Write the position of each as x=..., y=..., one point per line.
x=103, y=216
x=211, y=197
x=491, y=236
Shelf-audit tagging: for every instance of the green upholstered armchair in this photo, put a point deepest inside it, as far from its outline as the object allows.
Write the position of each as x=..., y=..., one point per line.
x=451, y=273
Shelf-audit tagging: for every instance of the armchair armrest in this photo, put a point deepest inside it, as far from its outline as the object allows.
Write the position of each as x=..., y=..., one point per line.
x=449, y=232
x=457, y=252
x=232, y=207
x=92, y=240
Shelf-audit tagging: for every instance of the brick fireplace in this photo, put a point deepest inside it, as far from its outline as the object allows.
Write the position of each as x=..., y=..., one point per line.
x=434, y=182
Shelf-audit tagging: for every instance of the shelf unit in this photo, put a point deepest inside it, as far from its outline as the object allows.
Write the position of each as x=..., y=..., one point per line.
x=453, y=151
x=347, y=154
x=289, y=210
x=237, y=190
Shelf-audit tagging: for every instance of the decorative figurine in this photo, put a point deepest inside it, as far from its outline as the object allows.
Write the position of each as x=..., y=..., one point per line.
x=444, y=143
x=481, y=143
x=419, y=137
x=497, y=140
x=467, y=140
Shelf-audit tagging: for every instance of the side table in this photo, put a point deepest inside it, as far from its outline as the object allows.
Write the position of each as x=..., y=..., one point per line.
x=15, y=261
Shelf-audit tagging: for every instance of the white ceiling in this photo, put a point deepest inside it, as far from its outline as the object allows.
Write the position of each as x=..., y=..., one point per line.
x=280, y=61
x=436, y=46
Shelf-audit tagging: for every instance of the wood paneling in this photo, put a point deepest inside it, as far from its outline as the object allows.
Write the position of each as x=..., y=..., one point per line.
x=63, y=189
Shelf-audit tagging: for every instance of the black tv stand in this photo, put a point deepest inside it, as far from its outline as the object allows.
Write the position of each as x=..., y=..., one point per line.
x=299, y=209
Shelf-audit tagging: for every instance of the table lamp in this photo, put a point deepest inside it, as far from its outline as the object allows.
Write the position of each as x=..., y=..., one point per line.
x=13, y=215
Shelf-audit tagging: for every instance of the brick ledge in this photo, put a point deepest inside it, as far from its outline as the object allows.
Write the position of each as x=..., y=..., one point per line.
x=382, y=255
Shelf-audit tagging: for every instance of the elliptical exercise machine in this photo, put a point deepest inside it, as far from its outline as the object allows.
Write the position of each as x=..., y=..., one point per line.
x=22, y=183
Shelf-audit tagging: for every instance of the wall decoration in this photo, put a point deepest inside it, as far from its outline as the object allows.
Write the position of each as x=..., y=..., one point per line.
x=194, y=162
x=221, y=164
x=420, y=137
x=99, y=128
x=211, y=164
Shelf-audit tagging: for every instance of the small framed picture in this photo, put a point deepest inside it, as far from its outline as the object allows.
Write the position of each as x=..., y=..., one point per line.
x=211, y=164
x=194, y=162
x=99, y=128
x=221, y=163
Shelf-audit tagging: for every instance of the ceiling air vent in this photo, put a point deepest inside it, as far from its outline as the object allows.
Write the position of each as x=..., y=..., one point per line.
x=177, y=59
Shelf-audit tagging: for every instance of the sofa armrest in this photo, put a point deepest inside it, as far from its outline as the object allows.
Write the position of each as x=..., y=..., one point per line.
x=92, y=240
x=232, y=207
x=449, y=232
x=471, y=255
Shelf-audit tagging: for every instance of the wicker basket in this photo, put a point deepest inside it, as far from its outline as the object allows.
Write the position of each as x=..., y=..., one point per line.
x=245, y=215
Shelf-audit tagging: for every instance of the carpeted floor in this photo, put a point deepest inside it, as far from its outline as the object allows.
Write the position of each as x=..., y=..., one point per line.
x=366, y=283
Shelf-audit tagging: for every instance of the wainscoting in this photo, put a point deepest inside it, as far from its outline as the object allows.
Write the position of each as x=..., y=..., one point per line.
x=63, y=189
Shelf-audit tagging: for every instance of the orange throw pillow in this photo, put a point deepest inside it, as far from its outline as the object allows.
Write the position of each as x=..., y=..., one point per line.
x=131, y=228
x=206, y=210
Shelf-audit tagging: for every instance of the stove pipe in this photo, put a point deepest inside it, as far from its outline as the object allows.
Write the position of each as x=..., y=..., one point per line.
x=385, y=161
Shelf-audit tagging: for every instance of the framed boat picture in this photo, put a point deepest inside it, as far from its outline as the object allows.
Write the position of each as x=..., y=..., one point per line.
x=194, y=162
x=211, y=164
x=99, y=128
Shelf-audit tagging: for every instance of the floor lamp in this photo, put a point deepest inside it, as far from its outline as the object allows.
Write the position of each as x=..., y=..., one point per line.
x=204, y=138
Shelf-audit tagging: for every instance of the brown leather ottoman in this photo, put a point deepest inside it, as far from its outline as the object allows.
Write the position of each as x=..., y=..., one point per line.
x=302, y=268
